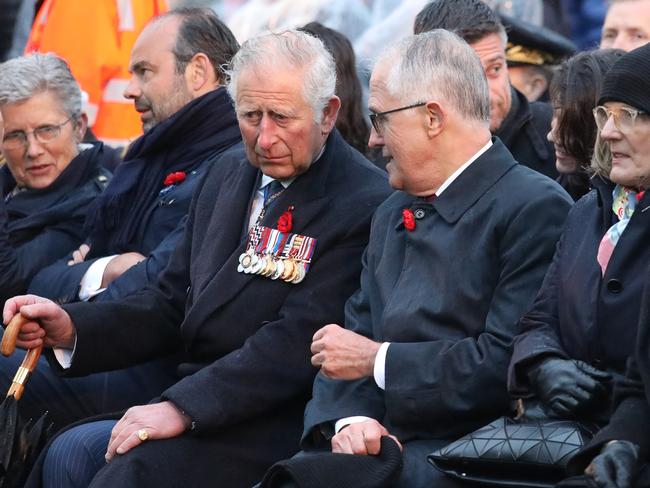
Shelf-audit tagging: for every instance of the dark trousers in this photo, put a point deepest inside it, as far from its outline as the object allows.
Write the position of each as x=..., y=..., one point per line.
x=235, y=457
x=416, y=471
x=70, y=399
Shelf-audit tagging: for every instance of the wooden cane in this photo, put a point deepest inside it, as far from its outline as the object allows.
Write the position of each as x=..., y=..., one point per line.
x=7, y=348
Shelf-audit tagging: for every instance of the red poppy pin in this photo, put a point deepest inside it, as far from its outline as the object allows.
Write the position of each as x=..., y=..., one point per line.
x=639, y=195
x=174, y=178
x=285, y=222
x=409, y=219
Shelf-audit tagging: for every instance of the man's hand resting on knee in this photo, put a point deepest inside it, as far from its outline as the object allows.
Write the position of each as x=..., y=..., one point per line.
x=361, y=438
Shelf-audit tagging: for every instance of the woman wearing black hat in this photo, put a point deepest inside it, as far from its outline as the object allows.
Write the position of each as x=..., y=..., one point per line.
x=582, y=327
x=622, y=448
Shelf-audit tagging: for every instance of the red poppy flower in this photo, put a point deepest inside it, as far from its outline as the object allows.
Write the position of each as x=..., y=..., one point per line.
x=285, y=222
x=409, y=219
x=174, y=178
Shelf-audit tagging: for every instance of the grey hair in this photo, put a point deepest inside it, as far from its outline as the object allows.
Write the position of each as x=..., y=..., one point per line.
x=438, y=65
x=23, y=77
x=293, y=49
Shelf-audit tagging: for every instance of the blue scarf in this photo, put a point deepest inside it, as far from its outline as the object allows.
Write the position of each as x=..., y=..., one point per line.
x=202, y=129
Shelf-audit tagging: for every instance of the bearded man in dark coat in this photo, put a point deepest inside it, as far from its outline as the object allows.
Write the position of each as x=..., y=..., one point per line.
x=454, y=259
x=271, y=251
x=135, y=224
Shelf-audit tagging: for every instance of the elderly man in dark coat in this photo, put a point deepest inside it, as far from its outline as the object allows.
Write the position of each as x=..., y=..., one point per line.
x=453, y=260
x=189, y=120
x=521, y=126
x=271, y=251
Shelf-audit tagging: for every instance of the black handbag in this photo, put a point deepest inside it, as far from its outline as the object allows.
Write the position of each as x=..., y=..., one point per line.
x=521, y=452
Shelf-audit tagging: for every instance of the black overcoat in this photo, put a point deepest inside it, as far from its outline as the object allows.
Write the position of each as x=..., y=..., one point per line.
x=524, y=133
x=630, y=420
x=579, y=313
x=248, y=373
x=447, y=296
x=38, y=227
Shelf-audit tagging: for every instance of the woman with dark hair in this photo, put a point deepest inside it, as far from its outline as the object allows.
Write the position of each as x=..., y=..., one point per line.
x=581, y=329
x=574, y=91
x=351, y=123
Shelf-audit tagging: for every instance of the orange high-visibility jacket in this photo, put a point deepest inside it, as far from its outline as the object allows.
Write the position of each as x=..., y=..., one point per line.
x=96, y=38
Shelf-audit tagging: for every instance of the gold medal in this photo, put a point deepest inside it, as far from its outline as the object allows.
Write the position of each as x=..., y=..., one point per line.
x=289, y=268
x=294, y=272
x=269, y=267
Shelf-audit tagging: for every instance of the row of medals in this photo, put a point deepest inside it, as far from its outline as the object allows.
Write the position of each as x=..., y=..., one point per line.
x=286, y=269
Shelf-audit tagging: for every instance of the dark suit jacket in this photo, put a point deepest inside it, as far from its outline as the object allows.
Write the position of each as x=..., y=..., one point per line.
x=247, y=337
x=578, y=312
x=447, y=296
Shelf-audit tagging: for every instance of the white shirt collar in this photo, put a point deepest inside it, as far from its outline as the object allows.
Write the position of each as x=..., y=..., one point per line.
x=457, y=173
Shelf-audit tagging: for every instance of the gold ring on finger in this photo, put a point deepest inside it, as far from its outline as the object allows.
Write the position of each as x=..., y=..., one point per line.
x=143, y=435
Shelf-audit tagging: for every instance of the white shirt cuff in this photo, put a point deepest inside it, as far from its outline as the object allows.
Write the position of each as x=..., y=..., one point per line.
x=379, y=371
x=349, y=420
x=64, y=355
x=92, y=281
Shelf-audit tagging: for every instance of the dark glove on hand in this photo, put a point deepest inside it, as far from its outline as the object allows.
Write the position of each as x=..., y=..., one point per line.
x=615, y=466
x=564, y=385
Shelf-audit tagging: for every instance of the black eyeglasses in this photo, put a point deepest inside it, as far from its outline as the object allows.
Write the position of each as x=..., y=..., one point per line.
x=377, y=119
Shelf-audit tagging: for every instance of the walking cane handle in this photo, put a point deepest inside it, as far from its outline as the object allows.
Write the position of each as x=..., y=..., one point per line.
x=10, y=336
x=8, y=346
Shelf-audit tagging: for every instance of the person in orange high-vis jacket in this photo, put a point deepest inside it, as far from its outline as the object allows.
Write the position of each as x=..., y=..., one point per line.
x=96, y=42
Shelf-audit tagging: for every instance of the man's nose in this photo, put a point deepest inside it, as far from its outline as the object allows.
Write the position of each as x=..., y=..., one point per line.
x=622, y=42
x=267, y=132
x=375, y=140
x=132, y=90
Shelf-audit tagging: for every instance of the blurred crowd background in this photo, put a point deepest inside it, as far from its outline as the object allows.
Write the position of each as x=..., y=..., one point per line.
x=96, y=37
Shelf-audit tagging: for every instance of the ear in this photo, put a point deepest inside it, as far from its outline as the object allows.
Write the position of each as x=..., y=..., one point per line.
x=330, y=113
x=435, y=118
x=80, y=129
x=199, y=73
x=537, y=85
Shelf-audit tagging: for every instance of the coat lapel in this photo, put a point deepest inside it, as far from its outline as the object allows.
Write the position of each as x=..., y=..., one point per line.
x=308, y=196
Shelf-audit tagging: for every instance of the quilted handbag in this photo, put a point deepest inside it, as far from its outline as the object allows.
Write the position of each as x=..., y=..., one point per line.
x=515, y=452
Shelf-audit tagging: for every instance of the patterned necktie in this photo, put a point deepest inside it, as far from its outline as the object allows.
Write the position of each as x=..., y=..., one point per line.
x=271, y=191
x=623, y=205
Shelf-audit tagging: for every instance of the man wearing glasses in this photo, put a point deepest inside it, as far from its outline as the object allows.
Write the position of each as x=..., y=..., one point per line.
x=521, y=126
x=454, y=259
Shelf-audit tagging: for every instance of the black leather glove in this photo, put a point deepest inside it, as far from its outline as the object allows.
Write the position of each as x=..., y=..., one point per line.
x=615, y=466
x=564, y=385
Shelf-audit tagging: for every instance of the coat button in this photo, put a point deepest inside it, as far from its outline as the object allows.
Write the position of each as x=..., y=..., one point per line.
x=419, y=213
x=614, y=286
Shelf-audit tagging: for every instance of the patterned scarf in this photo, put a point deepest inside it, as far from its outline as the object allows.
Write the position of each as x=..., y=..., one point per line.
x=623, y=205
